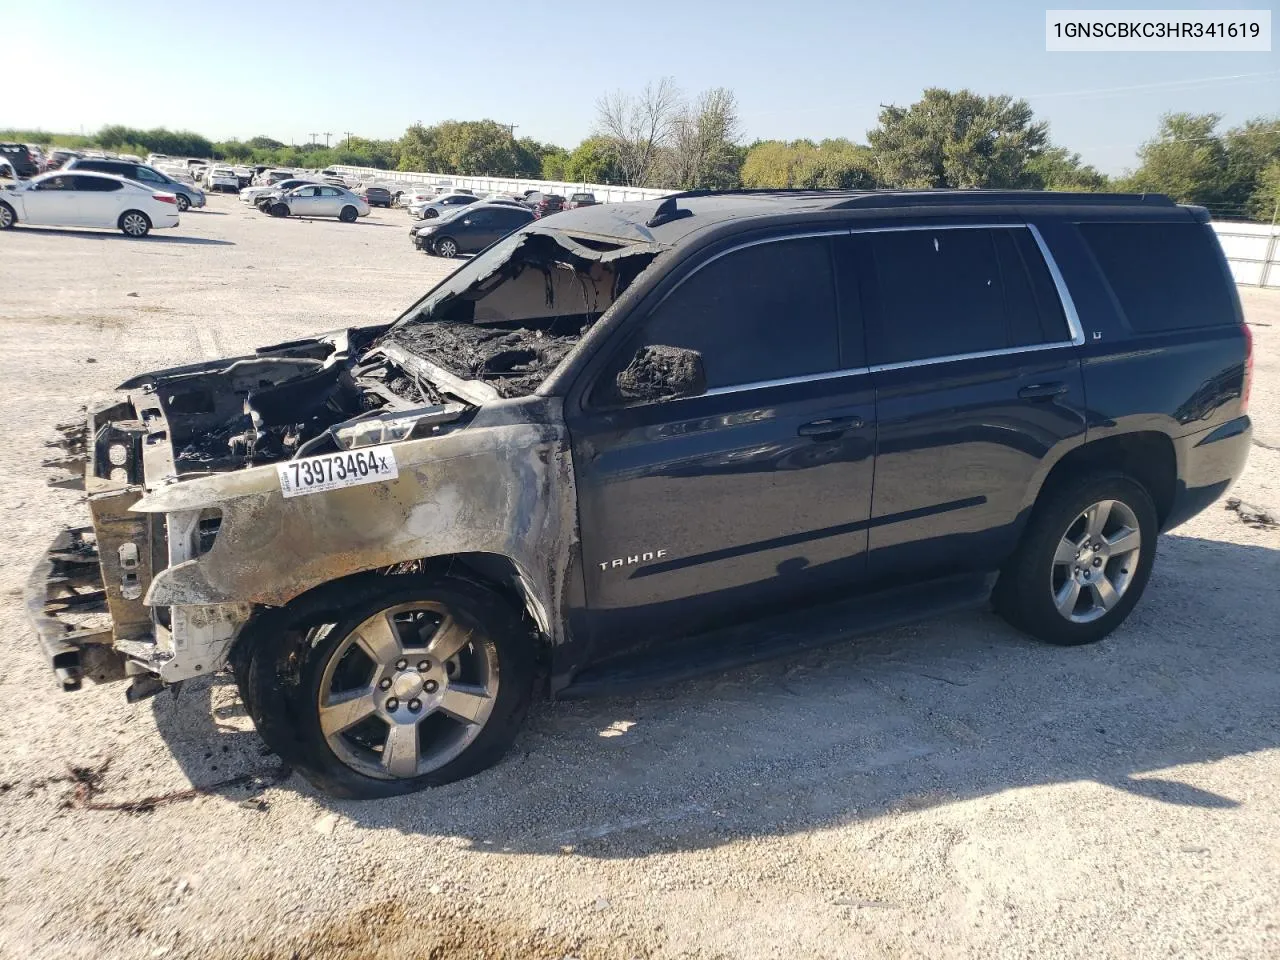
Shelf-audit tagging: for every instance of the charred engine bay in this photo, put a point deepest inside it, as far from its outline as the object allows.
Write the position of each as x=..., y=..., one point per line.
x=514, y=360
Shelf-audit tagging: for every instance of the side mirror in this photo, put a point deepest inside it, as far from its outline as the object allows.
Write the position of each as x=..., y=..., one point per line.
x=662, y=373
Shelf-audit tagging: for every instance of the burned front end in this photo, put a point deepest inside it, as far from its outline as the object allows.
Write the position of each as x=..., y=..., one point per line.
x=218, y=489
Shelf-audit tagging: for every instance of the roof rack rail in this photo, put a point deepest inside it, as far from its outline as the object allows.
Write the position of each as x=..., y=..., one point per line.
x=939, y=197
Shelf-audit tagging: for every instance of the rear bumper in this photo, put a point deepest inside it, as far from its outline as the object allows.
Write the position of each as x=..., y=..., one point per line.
x=1209, y=462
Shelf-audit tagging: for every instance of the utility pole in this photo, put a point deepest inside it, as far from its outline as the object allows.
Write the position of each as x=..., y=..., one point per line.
x=511, y=130
x=314, y=137
x=348, y=133
x=327, y=135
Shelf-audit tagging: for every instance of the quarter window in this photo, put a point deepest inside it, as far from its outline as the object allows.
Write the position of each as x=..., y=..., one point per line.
x=1167, y=276
x=759, y=313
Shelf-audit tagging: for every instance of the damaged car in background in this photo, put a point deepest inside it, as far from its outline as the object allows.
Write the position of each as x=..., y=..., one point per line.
x=640, y=441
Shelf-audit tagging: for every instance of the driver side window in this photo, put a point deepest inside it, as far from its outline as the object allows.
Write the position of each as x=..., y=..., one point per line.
x=755, y=314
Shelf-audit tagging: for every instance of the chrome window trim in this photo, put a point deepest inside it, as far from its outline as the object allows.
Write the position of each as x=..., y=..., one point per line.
x=783, y=382
x=1074, y=326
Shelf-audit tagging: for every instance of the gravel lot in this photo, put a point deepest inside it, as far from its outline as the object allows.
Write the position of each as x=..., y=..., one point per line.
x=947, y=790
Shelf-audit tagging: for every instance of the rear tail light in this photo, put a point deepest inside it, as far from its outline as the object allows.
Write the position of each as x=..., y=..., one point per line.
x=1248, y=369
x=164, y=197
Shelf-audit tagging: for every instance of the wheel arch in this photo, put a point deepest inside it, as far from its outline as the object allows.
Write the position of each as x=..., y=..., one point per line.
x=1147, y=456
x=493, y=571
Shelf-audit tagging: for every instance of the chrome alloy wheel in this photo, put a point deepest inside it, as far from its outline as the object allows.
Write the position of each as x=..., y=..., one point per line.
x=1095, y=561
x=406, y=691
x=447, y=248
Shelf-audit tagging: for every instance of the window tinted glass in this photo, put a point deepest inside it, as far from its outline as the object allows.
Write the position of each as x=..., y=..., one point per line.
x=939, y=294
x=59, y=183
x=1031, y=300
x=98, y=184
x=329, y=192
x=1167, y=276
x=764, y=312
x=147, y=176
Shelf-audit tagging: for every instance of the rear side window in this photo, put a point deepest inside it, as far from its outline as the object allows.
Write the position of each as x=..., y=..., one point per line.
x=939, y=292
x=945, y=292
x=764, y=312
x=1166, y=276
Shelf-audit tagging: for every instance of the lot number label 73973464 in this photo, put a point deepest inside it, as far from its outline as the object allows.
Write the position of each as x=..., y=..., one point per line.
x=329, y=471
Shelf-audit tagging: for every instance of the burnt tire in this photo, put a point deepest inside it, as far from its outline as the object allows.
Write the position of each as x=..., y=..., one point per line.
x=1053, y=586
x=446, y=247
x=7, y=216
x=348, y=214
x=278, y=209
x=289, y=662
x=134, y=223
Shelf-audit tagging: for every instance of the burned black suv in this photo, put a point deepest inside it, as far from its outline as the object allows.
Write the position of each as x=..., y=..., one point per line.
x=636, y=441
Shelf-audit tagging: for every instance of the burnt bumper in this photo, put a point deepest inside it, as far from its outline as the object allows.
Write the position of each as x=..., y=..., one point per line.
x=67, y=606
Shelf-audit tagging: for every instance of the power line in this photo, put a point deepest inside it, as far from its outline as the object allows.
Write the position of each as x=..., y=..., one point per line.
x=1188, y=83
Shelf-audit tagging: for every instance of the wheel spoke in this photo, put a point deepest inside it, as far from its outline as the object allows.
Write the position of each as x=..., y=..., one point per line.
x=1067, y=596
x=1096, y=518
x=400, y=752
x=465, y=703
x=380, y=640
x=345, y=710
x=1104, y=593
x=1066, y=552
x=1124, y=541
x=448, y=639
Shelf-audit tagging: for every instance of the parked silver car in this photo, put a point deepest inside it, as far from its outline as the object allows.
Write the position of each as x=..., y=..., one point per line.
x=320, y=200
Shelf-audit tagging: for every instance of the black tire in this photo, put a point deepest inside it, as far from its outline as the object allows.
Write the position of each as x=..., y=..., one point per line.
x=429, y=214
x=281, y=667
x=134, y=223
x=348, y=214
x=1025, y=592
x=279, y=209
x=183, y=204
x=8, y=217
x=445, y=247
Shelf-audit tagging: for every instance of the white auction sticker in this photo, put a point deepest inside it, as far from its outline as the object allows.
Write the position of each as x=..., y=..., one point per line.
x=330, y=471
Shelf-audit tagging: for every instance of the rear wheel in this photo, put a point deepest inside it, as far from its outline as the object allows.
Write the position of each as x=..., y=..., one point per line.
x=1084, y=561
x=134, y=223
x=183, y=204
x=446, y=247
x=348, y=215
x=7, y=217
x=411, y=682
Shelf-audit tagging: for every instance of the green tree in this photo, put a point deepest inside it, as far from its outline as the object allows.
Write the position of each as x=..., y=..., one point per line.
x=702, y=149
x=593, y=161
x=956, y=139
x=555, y=164
x=264, y=143
x=1251, y=149
x=1057, y=168
x=1264, y=205
x=1186, y=160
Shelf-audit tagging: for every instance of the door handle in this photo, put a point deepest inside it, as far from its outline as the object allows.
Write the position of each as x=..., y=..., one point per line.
x=1043, y=391
x=828, y=428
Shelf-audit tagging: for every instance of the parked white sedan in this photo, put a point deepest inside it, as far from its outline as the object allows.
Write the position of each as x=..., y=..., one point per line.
x=320, y=200
x=79, y=199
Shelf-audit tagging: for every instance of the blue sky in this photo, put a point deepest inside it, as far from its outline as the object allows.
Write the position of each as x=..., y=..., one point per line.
x=805, y=68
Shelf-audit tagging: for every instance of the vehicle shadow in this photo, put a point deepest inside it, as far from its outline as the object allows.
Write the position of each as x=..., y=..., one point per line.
x=104, y=235
x=362, y=222
x=942, y=711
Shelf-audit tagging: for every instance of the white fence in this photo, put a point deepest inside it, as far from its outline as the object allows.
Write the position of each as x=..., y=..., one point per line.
x=603, y=192
x=1253, y=252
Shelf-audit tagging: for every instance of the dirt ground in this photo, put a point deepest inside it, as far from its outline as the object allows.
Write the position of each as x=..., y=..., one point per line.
x=945, y=790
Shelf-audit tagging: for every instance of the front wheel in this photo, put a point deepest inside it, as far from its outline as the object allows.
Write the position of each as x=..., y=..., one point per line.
x=446, y=247
x=1084, y=561
x=279, y=209
x=407, y=682
x=348, y=215
x=134, y=223
x=7, y=217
